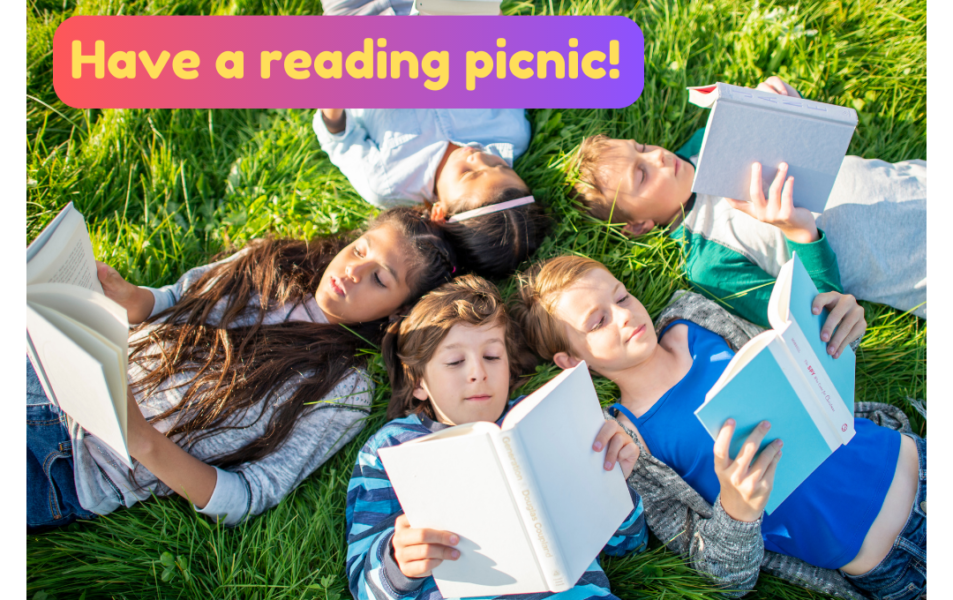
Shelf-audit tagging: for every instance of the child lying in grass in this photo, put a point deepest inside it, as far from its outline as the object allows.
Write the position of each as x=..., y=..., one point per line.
x=453, y=360
x=863, y=511
x=875, y=222
x=452, y=161
x=246, y=375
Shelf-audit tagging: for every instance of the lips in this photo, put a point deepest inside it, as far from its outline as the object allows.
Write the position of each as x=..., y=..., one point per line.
x=336, y=286
x=677, y=160
x=478, y=398
x=635, y=334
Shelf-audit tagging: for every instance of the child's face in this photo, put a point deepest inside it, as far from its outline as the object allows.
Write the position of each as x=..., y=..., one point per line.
x=471, y=177
x=367, y=280
x=605, y=325
x=468, y=377
x=649, y=184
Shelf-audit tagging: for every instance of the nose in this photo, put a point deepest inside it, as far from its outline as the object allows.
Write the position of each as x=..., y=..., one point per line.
x=477, y=372
x=355, y=270
x=479, y=158
x=621, y=316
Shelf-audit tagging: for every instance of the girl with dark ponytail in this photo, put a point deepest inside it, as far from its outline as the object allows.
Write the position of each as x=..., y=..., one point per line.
x=245, y=375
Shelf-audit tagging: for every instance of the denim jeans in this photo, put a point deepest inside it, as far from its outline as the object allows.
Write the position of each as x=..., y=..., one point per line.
x=902, y=574
x=50, y=490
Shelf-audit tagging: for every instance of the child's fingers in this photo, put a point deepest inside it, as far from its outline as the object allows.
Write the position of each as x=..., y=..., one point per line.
x=755, y=190
x=616, y=443
x=419, y=568
x=741, y=205
x=768, y=478
x=628, y=456
x=722, y=443
x=417, y=552
x=609, y=428
x=760, y=467
x=787, y=199
x=825, y=300
x=852, y=326
x=751, y=445
x=836, y=316
x=408, y=536
x=774, y=192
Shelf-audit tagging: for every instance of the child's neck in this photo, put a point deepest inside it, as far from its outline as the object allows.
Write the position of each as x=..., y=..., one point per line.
x=642, y=385
x=443, y=161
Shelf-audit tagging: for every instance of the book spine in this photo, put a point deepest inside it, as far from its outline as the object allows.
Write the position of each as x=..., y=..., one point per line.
x=532, y=509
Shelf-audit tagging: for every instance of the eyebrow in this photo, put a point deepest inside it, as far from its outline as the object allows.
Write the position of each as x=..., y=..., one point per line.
x=454, y=346
x=386, y=266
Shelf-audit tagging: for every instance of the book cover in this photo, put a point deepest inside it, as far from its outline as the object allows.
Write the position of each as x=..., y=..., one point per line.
x=531, y=501
x=747, y=126
x=785, y=376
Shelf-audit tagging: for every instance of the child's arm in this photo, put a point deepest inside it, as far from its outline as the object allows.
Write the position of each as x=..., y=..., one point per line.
x=352, y=150
x=372, y=511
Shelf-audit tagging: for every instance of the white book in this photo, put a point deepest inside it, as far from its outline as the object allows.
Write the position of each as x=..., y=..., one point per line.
x=785, y=376
x=747, y=126
x=531, y=501
x=77, y=338
x=457, y=7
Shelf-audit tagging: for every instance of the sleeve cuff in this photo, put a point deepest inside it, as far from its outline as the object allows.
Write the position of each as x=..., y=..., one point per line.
x=815, y=255
x=325, y=137
x=229, y=501
x=729, y=528
x=163, y=300
x=392, y=573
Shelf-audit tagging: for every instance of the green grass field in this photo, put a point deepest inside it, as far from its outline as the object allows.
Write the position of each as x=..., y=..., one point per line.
x=163, y=190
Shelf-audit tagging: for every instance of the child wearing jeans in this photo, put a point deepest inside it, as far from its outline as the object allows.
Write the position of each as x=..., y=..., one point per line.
x=454, y=162
x=453, y=360
x=871, y=237
x=862, y=512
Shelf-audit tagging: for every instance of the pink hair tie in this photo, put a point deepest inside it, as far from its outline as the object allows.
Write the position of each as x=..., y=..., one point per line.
x=492, y=208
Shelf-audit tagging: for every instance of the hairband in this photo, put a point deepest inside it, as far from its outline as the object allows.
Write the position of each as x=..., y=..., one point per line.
x=492, y=208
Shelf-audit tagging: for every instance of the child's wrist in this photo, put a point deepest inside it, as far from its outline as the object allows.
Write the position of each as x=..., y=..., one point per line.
x=801, y=235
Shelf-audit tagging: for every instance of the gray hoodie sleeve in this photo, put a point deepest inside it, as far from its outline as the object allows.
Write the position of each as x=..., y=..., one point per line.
x=168, y=295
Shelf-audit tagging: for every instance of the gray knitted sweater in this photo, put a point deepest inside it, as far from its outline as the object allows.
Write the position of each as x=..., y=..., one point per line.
x=731, y=552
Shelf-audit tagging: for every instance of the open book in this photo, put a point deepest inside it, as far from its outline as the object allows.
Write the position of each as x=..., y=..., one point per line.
x=747, y=126
x=785, y=376
x=530, y=500
x=457, y=7
x=77, y=338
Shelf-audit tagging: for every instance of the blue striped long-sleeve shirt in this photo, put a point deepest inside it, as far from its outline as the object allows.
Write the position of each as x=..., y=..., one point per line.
x=372, y=508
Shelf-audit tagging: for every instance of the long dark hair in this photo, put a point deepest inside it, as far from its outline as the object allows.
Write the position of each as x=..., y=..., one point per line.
x=233, y=369
x=494, y=245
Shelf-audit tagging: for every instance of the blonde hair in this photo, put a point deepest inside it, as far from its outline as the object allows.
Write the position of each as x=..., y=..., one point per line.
x=411, y=342
x=586, y=187
x=539, y=290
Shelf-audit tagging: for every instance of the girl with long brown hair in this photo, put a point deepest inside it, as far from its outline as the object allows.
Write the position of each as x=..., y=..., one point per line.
x=245, y=375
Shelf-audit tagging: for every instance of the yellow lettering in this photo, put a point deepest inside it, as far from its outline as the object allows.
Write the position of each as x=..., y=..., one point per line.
x=297, y=64
x=154, y=69
x=366, y=58
x=128, y=69
x=184, y=64
x=441, y=71
x=516, y=59
x=237, y=70
x=97, y=59
x=335, y=71
x=544, y=58
x=474, y=72
x=266, y=60
x=587, y=68
x=396, y=58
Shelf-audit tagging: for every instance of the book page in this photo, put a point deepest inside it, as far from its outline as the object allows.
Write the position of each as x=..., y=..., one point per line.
x=584, y=502
x=457, y=484
x=66, y=257
x=83, y=369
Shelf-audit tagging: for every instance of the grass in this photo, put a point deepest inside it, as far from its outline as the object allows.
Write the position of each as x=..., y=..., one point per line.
x=163, y=190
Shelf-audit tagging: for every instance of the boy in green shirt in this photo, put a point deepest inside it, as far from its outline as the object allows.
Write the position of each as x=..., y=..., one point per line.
x=875, y=222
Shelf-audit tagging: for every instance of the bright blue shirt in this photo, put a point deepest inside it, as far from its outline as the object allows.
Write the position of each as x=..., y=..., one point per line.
x=390, y=156
x=824, y=521
x=372, y=508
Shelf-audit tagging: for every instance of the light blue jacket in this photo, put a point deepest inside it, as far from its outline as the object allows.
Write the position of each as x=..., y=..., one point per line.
x=391, y=156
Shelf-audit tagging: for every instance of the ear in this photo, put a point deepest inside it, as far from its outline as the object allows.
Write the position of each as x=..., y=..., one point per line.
x=438, y=213
x=637, y=228
x=420, y=393
x=564, y=361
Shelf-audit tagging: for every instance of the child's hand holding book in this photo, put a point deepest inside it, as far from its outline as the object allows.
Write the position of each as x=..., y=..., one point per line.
x=746, y=487
x=137, y=301
x=796, y=223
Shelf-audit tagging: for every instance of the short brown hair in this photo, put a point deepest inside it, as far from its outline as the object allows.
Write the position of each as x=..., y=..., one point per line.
x=410, y=343
x=587, y=187
x=539, y=288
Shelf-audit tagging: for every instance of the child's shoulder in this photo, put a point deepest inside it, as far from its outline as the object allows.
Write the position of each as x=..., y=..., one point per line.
x=396, y=432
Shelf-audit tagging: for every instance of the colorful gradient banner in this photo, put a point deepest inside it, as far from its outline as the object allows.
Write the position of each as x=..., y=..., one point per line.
x=353, y=62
